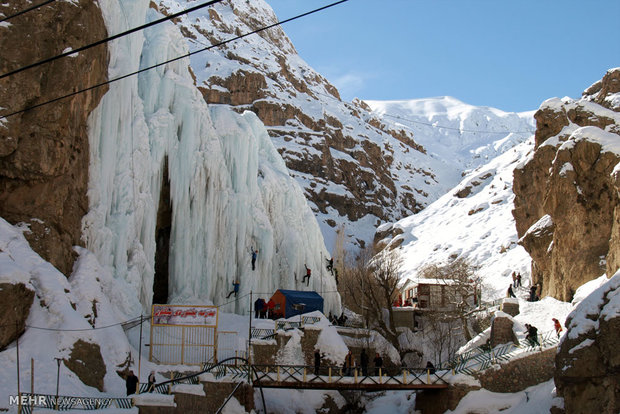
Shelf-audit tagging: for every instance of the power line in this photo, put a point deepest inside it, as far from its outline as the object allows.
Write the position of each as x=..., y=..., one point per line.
x=29, y=9
x=170, y=61
x=108, y=39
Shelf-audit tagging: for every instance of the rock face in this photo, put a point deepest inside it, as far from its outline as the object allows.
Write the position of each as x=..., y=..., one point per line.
x=15, y=302
x=44, y=151
x=587, y=365
x=348, y=161
x=502, y=331
x=567, y=194
x=87, y=363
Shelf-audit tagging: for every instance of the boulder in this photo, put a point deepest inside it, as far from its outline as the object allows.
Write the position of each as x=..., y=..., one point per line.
x=510, y=306
x=87, y=363
x=587, y=364
x=15, y=302
x=502, y=330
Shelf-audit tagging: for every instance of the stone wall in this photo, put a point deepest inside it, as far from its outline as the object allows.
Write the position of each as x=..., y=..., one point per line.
x=216, y=393
x=439, y=401
x=521, y=373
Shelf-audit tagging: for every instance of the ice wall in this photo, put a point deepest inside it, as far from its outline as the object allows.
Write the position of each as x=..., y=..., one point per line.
x=229, y=187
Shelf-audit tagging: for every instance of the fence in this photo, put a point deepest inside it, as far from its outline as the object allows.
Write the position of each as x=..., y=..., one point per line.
x=182, y=344
x=483, y=357
x=64, y=403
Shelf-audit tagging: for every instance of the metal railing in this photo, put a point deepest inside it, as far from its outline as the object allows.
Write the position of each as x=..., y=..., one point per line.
x=303, y=375
x=483, y=357
x=65, y=402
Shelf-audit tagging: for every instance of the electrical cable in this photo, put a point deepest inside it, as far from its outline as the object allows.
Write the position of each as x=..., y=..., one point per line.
x=6, y=116
x=29, y=9
x=108, y=39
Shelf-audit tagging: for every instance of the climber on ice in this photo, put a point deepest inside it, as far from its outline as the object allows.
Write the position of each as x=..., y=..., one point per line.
x=235, y=289
x=254, y=254
x=308, y=274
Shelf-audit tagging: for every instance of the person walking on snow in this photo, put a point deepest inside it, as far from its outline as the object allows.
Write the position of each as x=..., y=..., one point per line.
x=254, y=254
x=514, y=279
x=349, y=361
x=557, y=326
x=131, y=383
x=308, y=274
x=510, y=293
x=235, y=289
x=378, y=363
x=151, y=380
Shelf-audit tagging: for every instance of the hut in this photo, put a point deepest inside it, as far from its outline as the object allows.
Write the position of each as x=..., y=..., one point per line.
x=285, y=301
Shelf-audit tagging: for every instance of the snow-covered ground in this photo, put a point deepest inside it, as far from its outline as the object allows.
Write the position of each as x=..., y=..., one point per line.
x=477, y=225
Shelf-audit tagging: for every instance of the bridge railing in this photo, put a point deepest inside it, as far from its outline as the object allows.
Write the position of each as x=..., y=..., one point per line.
x=337, y=374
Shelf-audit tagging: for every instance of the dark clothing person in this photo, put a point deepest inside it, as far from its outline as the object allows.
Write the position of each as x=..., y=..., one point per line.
x=430, y=367
x=378, y=361
x=532, y=335
x=518, y=279
x=131, y=383
x=511, y=294
x=330, y=265
x=308, y=274
x=317, y=362
x=258, y=307
x=364, y=362
x=151, y=386
x=254, y=254
x=235, y=289
x=533, y=293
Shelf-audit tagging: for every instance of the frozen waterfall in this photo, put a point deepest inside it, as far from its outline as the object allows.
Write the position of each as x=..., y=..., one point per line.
x=229, y=190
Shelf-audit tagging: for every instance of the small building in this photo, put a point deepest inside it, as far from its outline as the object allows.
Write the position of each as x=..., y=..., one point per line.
x=285, y=301
x=435, y=294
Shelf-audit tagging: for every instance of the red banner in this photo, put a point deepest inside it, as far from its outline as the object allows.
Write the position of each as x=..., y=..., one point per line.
x=184, y=315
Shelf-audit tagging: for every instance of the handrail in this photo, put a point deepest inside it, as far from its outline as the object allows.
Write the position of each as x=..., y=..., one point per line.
x=484, y=357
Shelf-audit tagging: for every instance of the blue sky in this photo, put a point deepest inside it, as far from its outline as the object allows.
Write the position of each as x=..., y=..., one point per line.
x=511, y=55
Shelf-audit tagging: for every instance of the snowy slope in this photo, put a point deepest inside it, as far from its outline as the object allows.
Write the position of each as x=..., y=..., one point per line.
x=472, y=221
x=229, y=188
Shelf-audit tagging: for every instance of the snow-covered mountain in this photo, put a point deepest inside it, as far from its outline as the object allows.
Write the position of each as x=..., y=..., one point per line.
x=463, y=136
x=472, y=221
x=357, y=166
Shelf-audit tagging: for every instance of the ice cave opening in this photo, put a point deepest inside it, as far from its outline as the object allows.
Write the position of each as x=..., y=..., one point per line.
x=163, y=229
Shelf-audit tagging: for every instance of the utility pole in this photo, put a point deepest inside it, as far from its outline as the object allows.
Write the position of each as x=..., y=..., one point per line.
x=321, y=267
x=140, y=353
x=250, y=330
x=57, y=380
x=19, y=394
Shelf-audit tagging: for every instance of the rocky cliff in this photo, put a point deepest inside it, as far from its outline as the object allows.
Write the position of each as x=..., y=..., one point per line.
x=587, y=364
x=567, y=204
x=44, y=151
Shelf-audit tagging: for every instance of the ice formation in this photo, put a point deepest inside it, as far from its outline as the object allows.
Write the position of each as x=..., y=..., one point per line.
x=229, y=188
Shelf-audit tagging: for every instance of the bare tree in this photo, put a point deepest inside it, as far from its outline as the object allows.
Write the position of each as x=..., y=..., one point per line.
x=462, y=292
x=369, y=286
x=444, y=334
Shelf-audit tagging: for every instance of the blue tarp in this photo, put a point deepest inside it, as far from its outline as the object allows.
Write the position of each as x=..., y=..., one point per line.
x=311, y=299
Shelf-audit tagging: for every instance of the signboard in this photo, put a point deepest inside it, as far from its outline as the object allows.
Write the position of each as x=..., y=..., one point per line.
x=183, y=315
